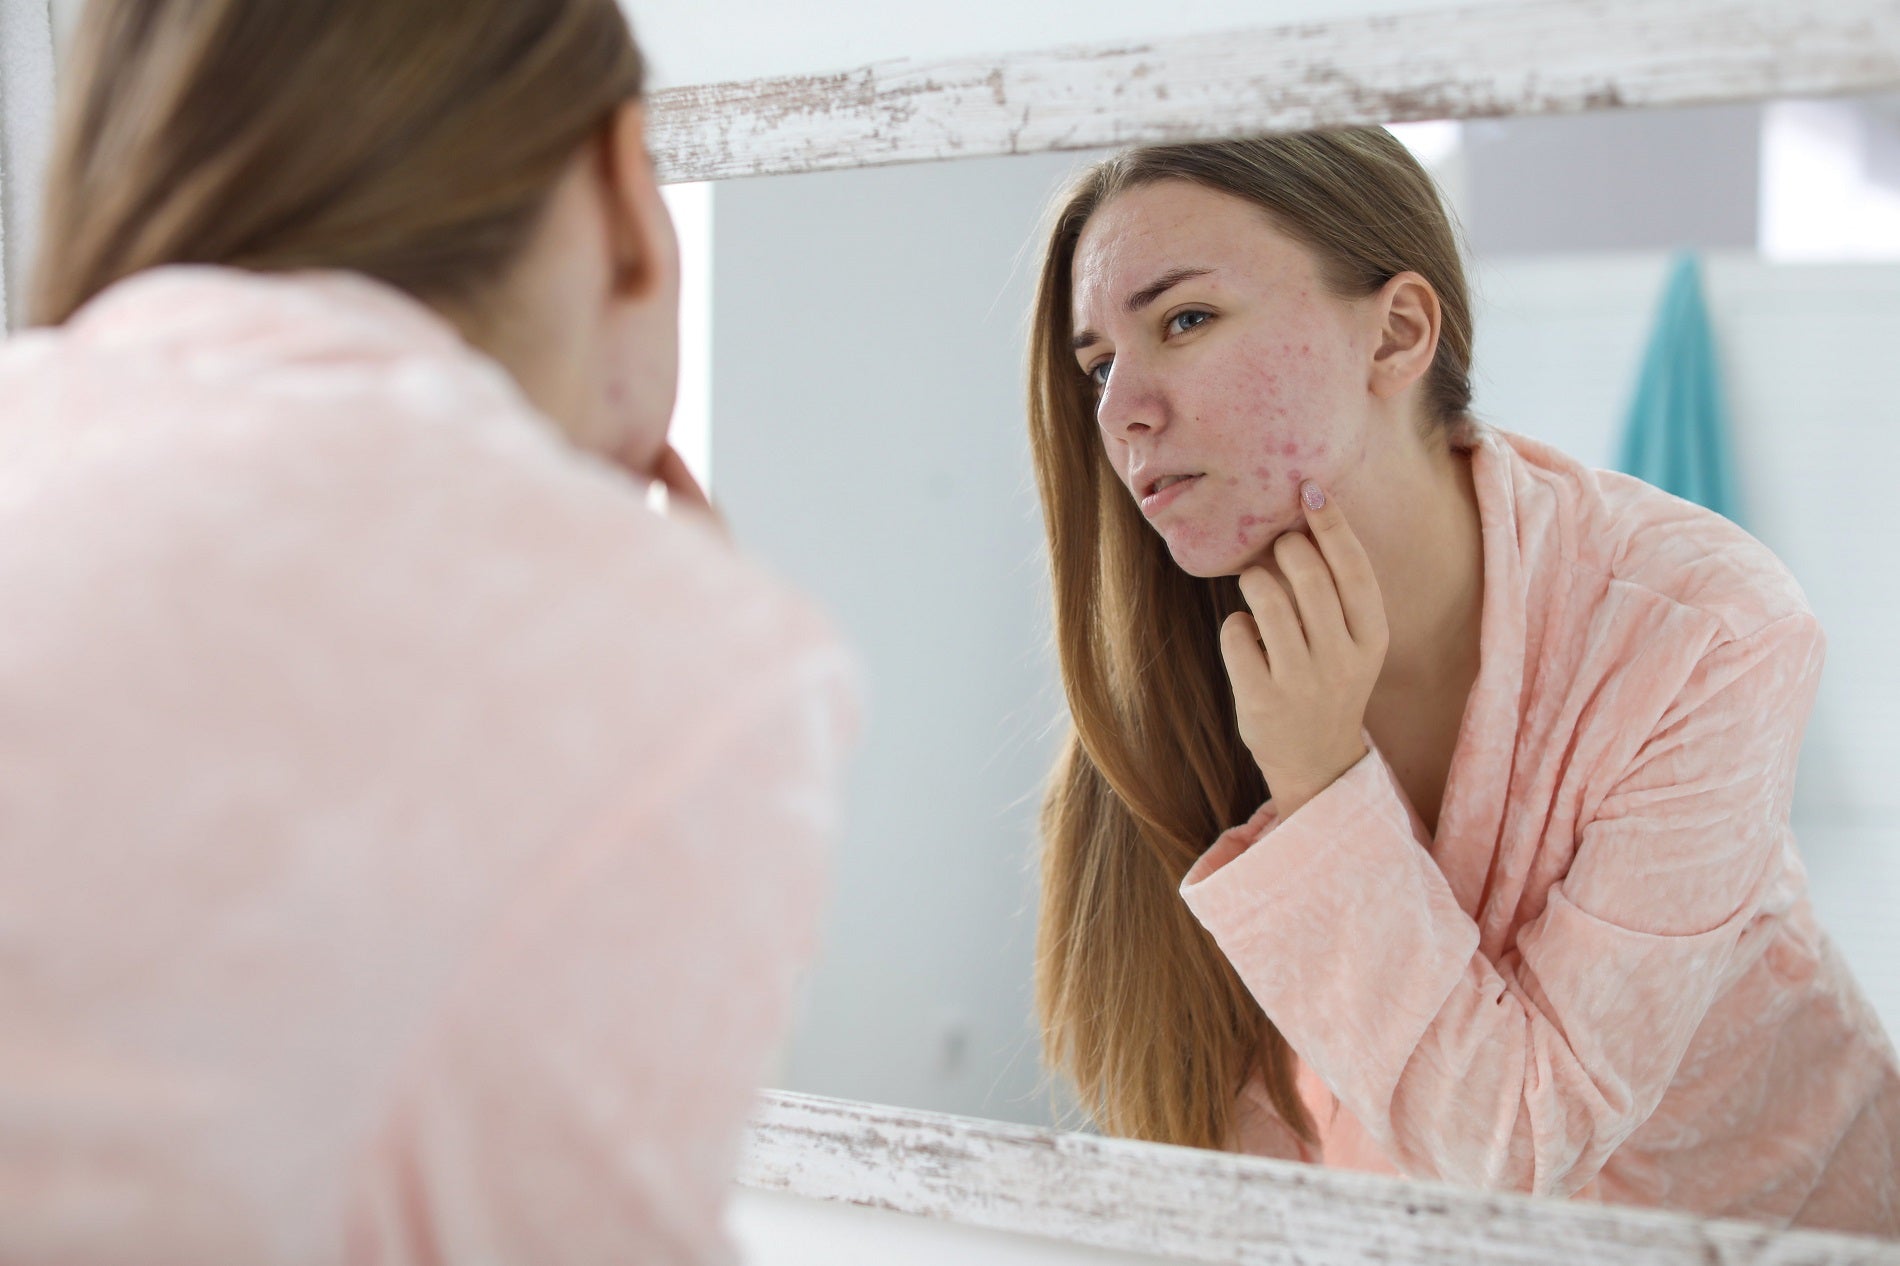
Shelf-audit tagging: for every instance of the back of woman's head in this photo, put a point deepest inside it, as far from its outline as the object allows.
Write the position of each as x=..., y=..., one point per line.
x=415, y=141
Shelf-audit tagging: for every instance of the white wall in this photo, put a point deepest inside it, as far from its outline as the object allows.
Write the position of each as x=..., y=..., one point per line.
x=868, y=441
x=1831, y=179
x=1616, y=180
x=65, y=21
x=691, y=208
x=26, y=121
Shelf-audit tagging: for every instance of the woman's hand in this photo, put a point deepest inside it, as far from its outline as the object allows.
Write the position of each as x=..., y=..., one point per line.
x=1303, y=664
x=685, y=499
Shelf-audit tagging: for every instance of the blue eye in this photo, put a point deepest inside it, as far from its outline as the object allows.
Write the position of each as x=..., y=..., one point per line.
x=1098, y=373
x=1174, y=321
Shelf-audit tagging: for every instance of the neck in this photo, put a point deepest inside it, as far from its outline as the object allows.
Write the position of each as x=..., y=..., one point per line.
x=1423, y=537
x=528, y=326
x=516, y=350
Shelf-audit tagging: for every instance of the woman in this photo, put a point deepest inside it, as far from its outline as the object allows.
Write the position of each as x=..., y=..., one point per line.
x=1426, y=809
x=409, y=836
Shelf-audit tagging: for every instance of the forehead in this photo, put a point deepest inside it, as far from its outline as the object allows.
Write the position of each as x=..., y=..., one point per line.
x=1138, y=235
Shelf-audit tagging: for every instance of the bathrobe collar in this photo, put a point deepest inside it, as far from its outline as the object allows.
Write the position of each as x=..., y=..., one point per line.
x=1522, y=531
x=208, y=311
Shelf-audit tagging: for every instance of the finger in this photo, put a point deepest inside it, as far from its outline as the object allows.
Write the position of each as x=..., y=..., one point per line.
x=684, y=496
x=672, y=470
x=1314, y=591
x=1246, y=662
x=1353, y=579
x=1275, y=617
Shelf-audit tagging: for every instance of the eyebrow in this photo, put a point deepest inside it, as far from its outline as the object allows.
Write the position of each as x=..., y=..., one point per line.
x=1142, y=298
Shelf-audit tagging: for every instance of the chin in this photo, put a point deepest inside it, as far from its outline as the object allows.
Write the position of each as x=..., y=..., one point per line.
x=1206, y=560
x=1205, y=566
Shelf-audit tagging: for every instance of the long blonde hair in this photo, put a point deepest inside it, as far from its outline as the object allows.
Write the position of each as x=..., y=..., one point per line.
x=1139, y=1008
x=415, y=141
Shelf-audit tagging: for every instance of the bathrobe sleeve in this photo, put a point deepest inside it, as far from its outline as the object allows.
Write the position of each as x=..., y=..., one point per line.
x=1524, y=1073
x=581, y=1096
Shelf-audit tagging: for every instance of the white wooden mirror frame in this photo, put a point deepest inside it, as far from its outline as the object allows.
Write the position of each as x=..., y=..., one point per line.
x=1189, y=1205
x=1543, y=57
x=1539, y=57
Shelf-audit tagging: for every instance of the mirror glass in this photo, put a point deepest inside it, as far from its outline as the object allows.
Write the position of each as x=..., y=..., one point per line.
x=867, y=439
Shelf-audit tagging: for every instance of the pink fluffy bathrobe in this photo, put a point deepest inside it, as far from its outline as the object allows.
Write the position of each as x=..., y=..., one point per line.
x=1602, y=975
x=409, y=839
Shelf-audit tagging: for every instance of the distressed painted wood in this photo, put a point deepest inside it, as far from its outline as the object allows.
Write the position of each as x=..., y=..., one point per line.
x=1201, y=1206
x=1542, y=57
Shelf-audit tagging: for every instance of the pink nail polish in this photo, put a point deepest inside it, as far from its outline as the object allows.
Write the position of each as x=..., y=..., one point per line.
x=1311, y=494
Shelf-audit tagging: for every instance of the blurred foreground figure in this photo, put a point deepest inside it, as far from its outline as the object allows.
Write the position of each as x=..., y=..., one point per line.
x=409, y=837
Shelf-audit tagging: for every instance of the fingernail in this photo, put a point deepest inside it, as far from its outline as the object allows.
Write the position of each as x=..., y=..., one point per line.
x=1311, y=494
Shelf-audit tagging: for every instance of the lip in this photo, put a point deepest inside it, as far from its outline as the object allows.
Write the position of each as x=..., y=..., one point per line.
x=1155, y=502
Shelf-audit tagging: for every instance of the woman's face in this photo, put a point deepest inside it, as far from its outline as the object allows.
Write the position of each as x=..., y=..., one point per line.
x=1218, y=355
x=592, y=307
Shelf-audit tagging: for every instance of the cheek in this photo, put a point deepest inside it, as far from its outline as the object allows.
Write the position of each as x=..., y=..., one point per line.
x=1244, y=530
x=1291, y=416
x=1295, y=433
x=1284, y=424
x=634, y=424
x=1277, y=416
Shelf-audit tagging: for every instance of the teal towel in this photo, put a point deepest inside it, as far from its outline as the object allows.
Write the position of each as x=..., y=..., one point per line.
x=1677, y=433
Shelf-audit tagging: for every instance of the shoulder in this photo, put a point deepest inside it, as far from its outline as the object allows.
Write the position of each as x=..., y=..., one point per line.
x=1620, y=533
x=557, y=555
x=593, y=608
x=407, y=503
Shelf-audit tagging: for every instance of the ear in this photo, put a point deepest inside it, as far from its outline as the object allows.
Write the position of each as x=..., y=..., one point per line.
x=645, y=251
x=1409, y=319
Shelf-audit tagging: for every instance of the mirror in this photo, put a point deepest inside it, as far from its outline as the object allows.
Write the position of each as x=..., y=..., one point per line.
x=867, y=440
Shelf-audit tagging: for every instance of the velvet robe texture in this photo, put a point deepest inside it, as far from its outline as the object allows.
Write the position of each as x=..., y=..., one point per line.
x=1601, y=976
x=409, y=839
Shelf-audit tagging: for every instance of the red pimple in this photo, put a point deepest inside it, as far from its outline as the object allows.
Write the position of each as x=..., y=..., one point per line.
x=1289, y=448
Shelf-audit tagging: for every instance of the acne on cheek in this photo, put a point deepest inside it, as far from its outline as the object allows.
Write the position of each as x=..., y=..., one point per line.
x=1269, y=477
x=1289, y=381
x=1279, y=412
x=1280, y=446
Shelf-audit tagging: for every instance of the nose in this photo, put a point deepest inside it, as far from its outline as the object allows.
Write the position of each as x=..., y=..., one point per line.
x=1131, y=404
